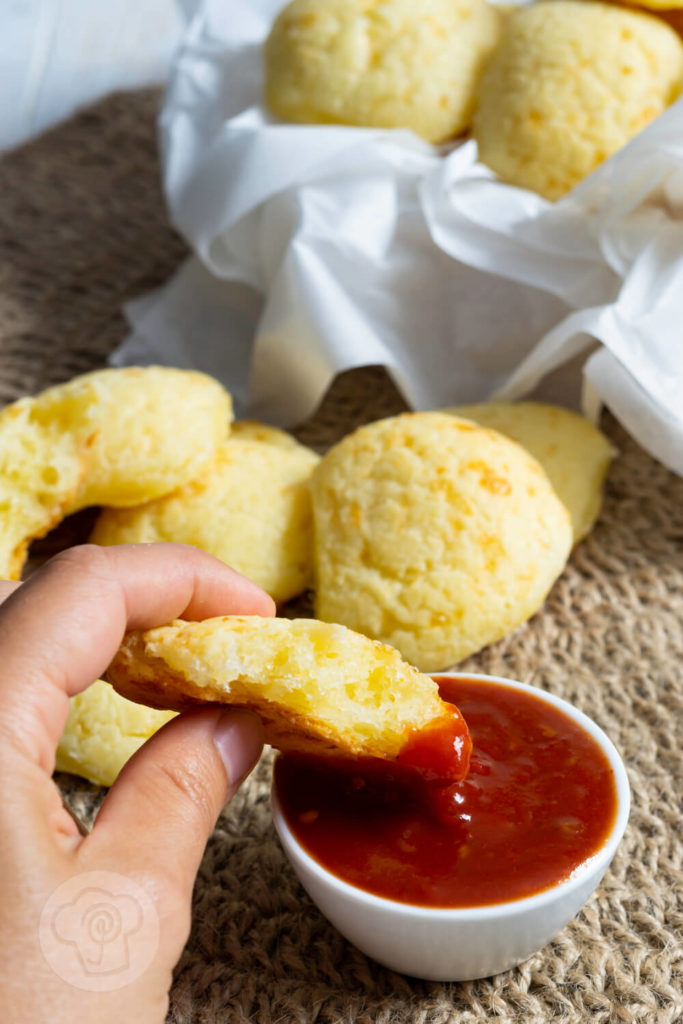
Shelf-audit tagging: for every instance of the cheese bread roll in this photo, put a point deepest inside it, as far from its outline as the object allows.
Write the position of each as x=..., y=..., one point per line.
x=251, y=508
x=147, y=430
x=41, y=470
x=318, y=688
x=575, y=454
x=103, y=731
x=116, y=437
x=380, y=63
x=434, y=535
x=251, y=430
x=571, y=83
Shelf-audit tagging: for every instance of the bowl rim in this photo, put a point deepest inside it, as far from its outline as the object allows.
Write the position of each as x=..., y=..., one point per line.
x=599, y=860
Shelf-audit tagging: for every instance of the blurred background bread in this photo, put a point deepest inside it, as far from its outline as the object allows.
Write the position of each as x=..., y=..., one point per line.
x=380, y=63
x=112, y=437
x=575, y=454
x=569, y=84
x=251, y=430
x=250, y=507
x=147, y=429
x=103, y=731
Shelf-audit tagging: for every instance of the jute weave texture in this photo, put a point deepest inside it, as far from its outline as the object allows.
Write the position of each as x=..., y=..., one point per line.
x=82, y=229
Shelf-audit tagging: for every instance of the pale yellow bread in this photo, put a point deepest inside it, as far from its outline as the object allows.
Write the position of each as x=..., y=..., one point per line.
x=251, y=430
x=103, y=731
x=114, y=437
x=575, y=454
x=251, y=508
x=150, y=429
x=570, y=83
x=434, y=535
x=318, y=688
x=41, y=470
x=380, y=63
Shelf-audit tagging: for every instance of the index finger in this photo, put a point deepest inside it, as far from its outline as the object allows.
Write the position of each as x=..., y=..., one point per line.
x=60, y=629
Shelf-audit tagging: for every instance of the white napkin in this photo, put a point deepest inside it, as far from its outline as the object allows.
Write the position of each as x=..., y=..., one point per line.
x=336, y=247
x=58, y=55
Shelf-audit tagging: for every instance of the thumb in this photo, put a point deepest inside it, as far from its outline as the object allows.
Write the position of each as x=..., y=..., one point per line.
x=160, y=812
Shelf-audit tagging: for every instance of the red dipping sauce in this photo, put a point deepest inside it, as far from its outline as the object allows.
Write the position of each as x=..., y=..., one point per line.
x=540, y=798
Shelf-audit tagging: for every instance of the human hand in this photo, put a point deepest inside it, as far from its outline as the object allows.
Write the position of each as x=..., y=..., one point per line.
x=92, y=926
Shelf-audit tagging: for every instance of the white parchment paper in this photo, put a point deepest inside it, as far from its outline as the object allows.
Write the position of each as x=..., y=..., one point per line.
x=318, y=249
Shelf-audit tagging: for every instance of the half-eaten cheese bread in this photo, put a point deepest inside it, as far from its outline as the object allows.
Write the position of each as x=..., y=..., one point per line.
x=319, y=688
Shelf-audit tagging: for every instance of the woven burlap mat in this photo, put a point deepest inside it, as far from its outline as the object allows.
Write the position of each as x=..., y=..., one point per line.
x=82, y=228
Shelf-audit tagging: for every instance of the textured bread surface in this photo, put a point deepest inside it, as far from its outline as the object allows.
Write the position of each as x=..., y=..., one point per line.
x=113, y=437
x=103, y=731
x=434, y=535
x=575, y=455
x=570, y=83
x=251, y=430
x=251, y=508
x=319, y=688
x=380, y=63
x=41, y=470
x=149, y=429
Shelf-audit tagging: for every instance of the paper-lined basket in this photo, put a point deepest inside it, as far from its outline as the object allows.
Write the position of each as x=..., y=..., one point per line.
x=318, y=249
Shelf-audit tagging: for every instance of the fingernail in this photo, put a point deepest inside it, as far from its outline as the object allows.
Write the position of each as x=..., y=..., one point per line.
x=239, y=741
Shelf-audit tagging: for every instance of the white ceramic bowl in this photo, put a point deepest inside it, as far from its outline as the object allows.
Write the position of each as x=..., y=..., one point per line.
x=472, y=942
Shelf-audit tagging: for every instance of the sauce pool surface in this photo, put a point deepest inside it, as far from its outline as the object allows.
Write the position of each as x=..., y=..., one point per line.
x=540, y=798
